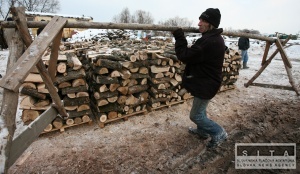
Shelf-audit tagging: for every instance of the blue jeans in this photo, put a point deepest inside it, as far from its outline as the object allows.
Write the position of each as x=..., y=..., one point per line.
x=199, y=117
x=245, y=56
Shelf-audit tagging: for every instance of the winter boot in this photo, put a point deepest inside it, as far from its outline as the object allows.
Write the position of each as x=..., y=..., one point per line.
x=201, y=134
x=245, y=65
x=217, y=140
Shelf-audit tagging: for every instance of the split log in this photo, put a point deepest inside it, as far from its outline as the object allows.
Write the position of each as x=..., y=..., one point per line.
x=48, y=128
x=77, y=120
x=102, y=117
x=78, y=82
x=83, y=107
x=82, y=94
x=28, y=85
x=123, y=89
x=61, y=67
x=75, y=102
x=69, y=90
x=104, y=95
x=137, y=88
x=106, y=80
x=70, y=76
x=69, y=121
x=58, y=123
x=156, y=69
x=29, y=115
x=111, y=107
x=112, y=99
x=73, y=61
x=109, y=64
x=85, y=118
x=113, y=87
x=33, y=93
x=100, y=70
x=115, y=73
x=35, y=78
x=71, y=95
x=139, y=76
x=42, y=103
x=64, y=85
x=112, y=115
x=102, y=102
x=71, y=108
x=73, y=114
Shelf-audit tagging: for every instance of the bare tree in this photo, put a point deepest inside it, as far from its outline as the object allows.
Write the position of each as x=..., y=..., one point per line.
x=142, y=17
x=123, y=17
x=177, y=21
x=51, y=6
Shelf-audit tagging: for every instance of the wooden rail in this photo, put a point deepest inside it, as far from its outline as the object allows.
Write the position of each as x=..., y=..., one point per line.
x=110, y=25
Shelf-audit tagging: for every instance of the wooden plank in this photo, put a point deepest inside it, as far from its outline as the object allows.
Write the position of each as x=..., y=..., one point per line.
x=272, y=86
x=284, y=57
x=16, y=75
x=9, y=100
x=30, y=134
x=54, y=55
x=268, y=44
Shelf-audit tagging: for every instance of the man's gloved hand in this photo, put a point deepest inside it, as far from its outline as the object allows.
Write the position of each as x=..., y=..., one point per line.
x=178, y=32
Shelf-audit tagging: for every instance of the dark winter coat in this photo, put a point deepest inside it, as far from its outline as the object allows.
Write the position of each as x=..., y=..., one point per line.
x=204, y=61
x=244, y=43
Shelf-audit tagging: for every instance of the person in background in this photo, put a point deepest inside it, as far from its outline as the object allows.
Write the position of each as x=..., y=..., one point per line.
x=203, y=72
x=244, y=45
x=40, y=29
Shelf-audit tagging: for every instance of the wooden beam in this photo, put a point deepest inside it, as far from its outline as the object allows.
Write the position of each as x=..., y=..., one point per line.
x=54, y=55
x=110, y=25
x=9, y=100
x=30, y=134
x=273, y=86
x=268, y=44
x=284, y=57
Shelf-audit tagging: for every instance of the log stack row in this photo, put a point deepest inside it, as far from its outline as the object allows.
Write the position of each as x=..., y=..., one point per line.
x=118, y=84
x=230, y=69
x=133, y=78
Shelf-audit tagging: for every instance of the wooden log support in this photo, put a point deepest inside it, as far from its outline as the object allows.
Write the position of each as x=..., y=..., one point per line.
x=31, y=133
x=8, y=112
x=265, y=65
x=54, y=55
x=268, y=44
x=284, y=57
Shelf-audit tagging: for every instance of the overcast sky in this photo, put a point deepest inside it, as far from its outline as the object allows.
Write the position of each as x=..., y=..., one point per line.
x=266, y=16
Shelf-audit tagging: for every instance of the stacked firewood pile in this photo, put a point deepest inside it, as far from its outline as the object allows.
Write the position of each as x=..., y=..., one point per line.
x=34, y=97
x=230, y=70
x=118, y=83
x=114, y=80
x=71, y=86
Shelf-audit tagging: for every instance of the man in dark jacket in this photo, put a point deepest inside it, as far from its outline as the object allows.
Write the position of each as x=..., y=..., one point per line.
x=244, y=46
x=203, y=72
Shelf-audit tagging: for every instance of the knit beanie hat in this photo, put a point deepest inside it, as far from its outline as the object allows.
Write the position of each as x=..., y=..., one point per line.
x=212, y=15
